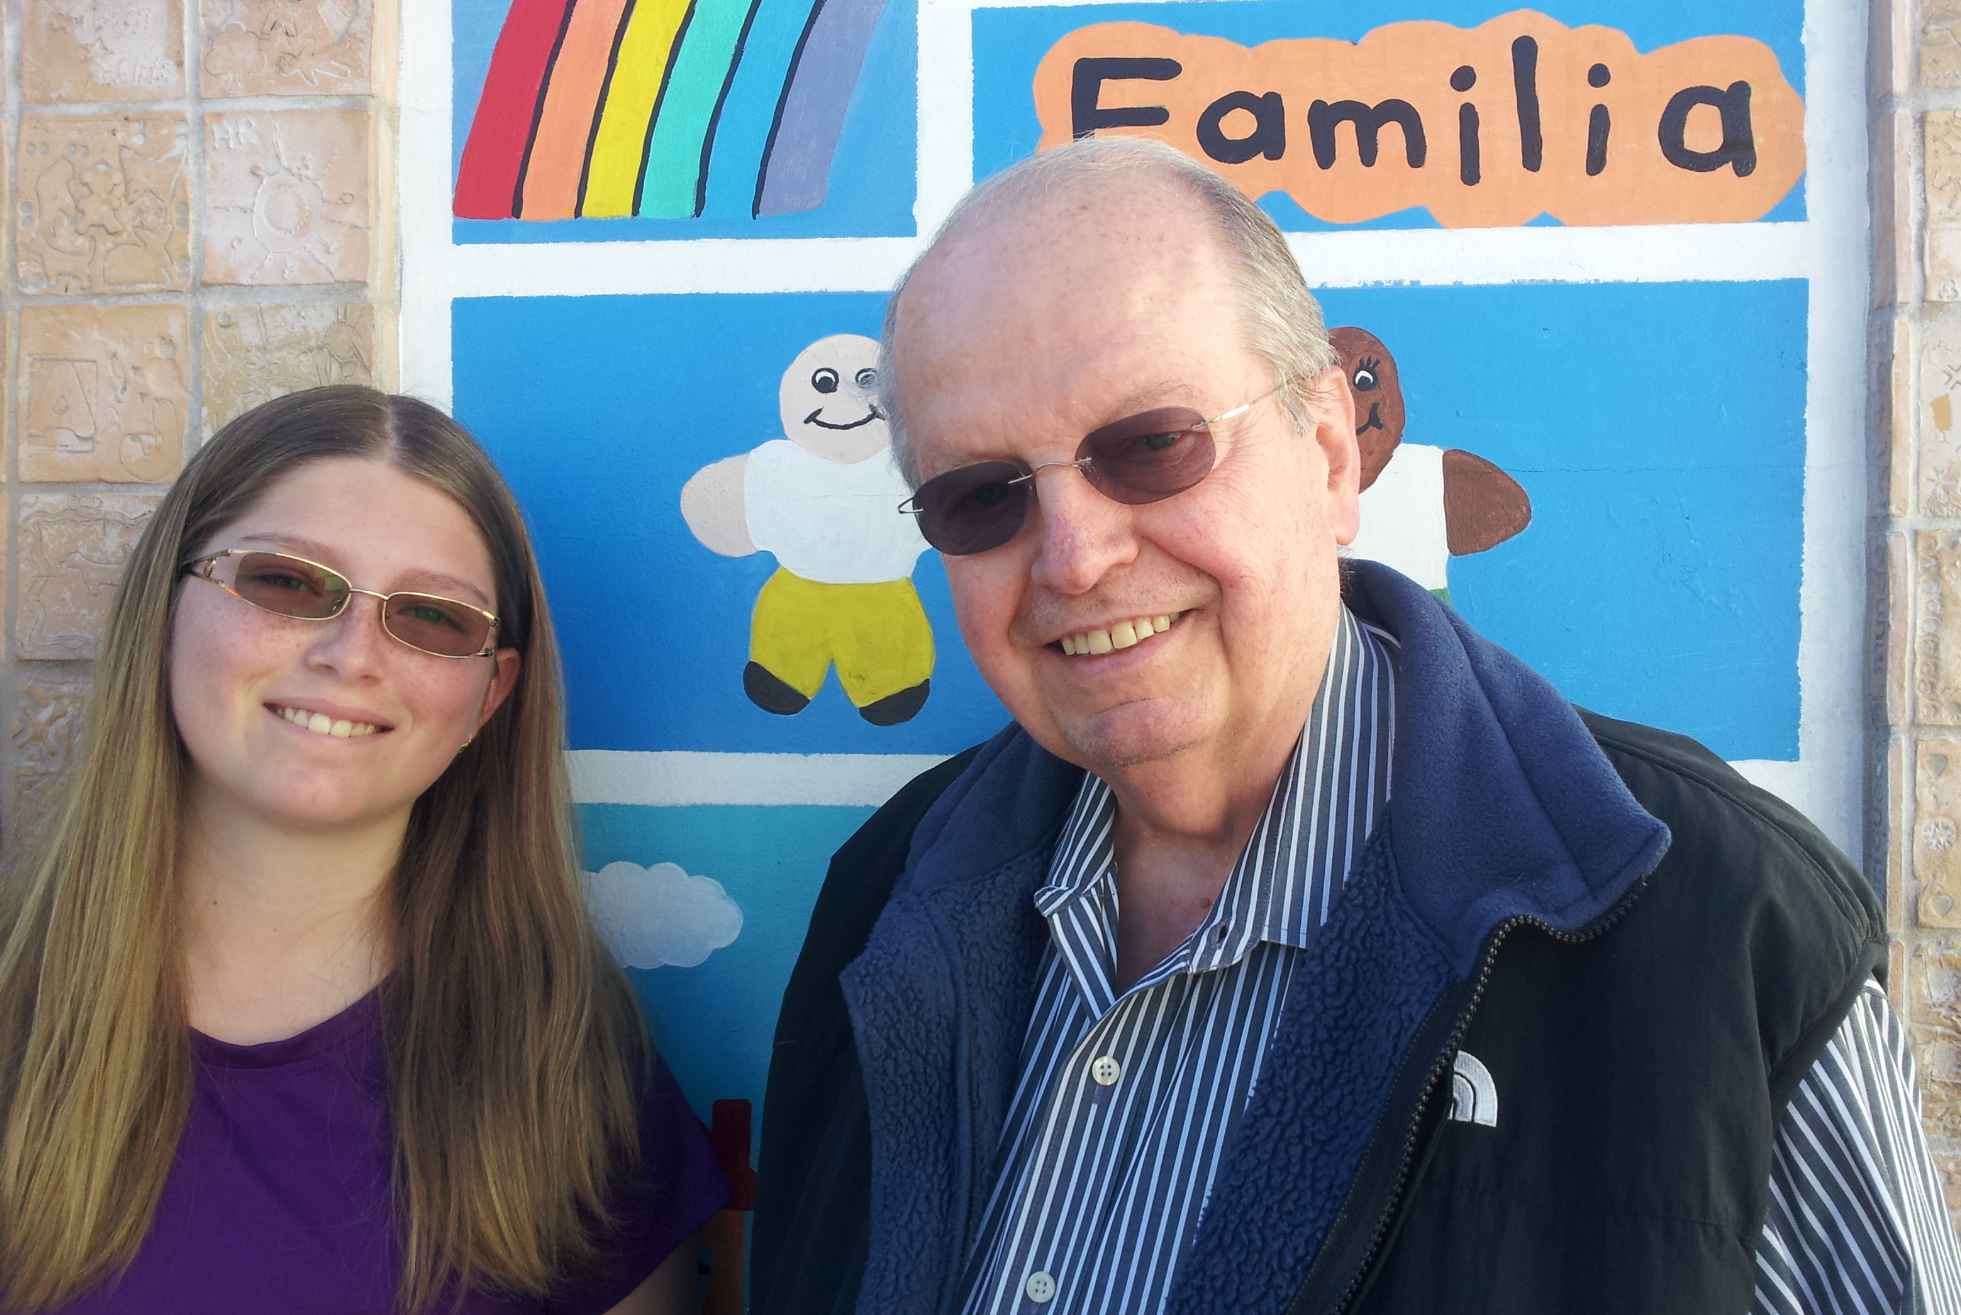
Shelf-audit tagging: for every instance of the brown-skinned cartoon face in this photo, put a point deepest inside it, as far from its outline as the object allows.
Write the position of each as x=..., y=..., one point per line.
x=1378, y=389
x=827, y=400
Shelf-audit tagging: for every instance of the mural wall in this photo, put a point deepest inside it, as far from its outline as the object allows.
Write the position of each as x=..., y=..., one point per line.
x=1598, y=269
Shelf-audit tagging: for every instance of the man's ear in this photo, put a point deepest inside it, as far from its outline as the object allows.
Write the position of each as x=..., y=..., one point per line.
x=508, y=660
x=1332, y=406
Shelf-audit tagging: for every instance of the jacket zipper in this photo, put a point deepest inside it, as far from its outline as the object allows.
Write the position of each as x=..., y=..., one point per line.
x=1445, y=1058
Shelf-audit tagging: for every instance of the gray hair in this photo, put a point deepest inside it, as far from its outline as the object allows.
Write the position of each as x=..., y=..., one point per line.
x=1282, y=319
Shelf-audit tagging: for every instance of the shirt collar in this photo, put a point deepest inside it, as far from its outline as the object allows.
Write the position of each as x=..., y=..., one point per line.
x=1320, y=812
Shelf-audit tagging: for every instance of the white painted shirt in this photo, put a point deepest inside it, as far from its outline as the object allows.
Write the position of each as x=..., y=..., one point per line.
x=1403, y=517
x=828, y=521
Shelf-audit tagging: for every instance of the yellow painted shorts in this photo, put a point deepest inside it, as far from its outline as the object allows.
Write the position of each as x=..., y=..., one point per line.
x=876, y=634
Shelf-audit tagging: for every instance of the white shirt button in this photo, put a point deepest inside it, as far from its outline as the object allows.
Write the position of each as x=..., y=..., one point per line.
x=1041, y=1287
x=1106, y=1070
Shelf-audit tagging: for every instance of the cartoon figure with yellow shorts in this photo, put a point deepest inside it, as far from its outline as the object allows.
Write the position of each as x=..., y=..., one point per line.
x=823, y=499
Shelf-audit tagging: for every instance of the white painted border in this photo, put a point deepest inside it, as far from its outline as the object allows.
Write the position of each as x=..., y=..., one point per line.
x=1830, y=249
x=609, y=776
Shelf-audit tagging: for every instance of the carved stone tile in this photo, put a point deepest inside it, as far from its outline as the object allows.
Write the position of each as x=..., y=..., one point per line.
x=287, y=47
x=289, y=197
x=103, y=204
x=1940, y=41
x=1934, y=424
x=1894, y=252
x=1896, y=411
x=1891, y=646
x=72, y=548
x=253, y=354
x=1937, y=628
x=73, y=50
x=48, y=714
x=1934, y=1008
x=1937, y=831
x=1941, y=136
x=1885, y=805
x=105, y=392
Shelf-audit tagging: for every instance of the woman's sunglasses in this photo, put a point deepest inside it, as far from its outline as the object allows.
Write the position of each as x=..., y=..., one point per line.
x=1139, y=459
x=286, y=585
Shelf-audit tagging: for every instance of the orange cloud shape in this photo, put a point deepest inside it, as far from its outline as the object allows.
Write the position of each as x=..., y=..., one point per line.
x=1486, y=127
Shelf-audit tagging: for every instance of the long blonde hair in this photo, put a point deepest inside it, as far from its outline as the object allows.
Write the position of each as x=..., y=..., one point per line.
x=513, y=1045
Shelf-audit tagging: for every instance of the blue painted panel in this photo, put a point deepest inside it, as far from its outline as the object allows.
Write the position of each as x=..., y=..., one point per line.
x=1658, y=428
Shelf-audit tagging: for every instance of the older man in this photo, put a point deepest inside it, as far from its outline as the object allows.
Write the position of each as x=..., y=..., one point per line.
x=1295, y=950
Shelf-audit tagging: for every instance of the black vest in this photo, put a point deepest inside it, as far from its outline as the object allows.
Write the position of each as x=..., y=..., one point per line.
x=1631, y=1081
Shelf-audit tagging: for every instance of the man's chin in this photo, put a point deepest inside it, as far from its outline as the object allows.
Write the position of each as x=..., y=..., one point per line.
x=1125, y=738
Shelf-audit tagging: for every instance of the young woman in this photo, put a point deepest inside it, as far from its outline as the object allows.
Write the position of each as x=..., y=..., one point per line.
x=302, y=1011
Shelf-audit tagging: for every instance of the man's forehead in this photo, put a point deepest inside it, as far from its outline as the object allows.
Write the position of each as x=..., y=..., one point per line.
x=1056, y=278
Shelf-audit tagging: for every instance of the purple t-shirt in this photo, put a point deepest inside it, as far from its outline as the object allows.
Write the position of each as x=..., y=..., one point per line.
x=279, y=1198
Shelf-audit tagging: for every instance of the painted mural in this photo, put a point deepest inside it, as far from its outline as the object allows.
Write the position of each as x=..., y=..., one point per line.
x=1586, y=264
x=821, y=501
x=710, y=109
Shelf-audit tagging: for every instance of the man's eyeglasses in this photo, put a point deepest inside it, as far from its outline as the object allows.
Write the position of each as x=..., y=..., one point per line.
x=286, y=585
x=1139, y=459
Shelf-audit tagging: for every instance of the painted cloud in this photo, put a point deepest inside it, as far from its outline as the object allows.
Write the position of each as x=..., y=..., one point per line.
x=661, y=916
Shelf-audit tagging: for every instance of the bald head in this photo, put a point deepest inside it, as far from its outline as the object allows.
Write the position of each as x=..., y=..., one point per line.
x=1080, y=206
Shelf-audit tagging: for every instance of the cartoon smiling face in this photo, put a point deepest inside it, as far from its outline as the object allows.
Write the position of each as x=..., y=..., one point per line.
x=828, y=399
x=1378, y=390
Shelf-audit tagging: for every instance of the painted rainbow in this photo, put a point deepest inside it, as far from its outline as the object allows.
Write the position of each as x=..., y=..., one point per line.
x=608, y=108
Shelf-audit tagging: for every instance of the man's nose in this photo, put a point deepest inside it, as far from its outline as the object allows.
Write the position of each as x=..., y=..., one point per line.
x=1083, y=534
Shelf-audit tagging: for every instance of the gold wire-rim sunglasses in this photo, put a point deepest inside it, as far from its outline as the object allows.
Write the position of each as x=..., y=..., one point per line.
x=286, y=584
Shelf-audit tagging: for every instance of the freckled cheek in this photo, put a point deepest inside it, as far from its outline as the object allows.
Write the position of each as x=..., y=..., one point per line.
x=445, y=698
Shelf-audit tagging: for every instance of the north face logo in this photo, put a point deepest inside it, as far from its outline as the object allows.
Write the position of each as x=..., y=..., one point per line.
x=1473, y=1095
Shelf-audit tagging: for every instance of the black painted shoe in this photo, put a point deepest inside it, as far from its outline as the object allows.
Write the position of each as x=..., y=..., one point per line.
x=895, y=708
x=771, y=694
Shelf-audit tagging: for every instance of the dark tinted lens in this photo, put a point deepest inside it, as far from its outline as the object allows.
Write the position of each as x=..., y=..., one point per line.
x=1145, y=457
x=437, y=625
x=288, y=585
x=973, y=508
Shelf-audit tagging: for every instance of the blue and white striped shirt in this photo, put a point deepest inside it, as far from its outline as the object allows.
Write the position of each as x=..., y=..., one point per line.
x=1114, y=1133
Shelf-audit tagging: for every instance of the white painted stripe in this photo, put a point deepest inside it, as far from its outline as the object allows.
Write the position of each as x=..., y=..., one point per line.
x=663, y=779
x=1728, y=253
x=422, y=180
x=608, y=776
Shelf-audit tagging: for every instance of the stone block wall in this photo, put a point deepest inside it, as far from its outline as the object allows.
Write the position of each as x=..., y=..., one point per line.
x=1914, y=547
x=198, y=202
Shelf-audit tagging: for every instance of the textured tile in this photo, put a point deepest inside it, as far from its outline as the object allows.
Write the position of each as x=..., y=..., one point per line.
x=92, y=50
x=288, y=197
x=72, y=547
x=1891, y=645
x=1937, y=831
x=1941, y=140
x=1897, y=347
x=287, y=47
x=253, y=354
x=103, y=204
x=1949, y=1169
x=47, y=726
x=1937, y=628
x=1934, y=1005
x=1884, y=857
x=1895, y=255
x=1934, y=425
x=105, y=392
x=1940, y=40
